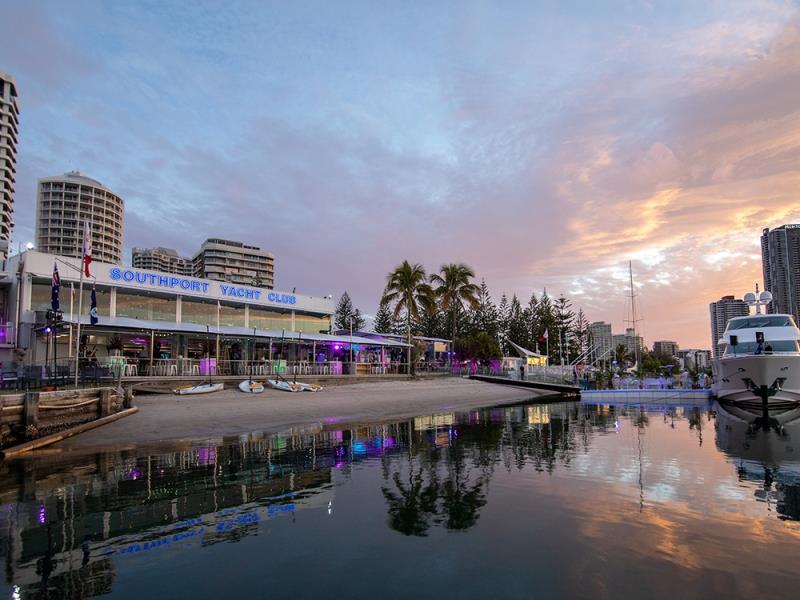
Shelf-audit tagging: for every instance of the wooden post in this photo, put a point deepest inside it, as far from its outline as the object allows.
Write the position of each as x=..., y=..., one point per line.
x=105, y=402
x=30, y=410
x=128, y=401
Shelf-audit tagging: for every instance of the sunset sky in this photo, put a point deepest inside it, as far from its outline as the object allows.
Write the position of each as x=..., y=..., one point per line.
x=545, y=146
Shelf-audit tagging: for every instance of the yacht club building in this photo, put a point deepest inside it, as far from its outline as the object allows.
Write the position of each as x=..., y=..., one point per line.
x=146, y=316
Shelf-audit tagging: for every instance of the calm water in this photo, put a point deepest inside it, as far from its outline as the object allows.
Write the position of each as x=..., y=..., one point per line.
x=561, y=500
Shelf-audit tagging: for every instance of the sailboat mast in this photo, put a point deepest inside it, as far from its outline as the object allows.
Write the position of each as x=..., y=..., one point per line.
x=633, y=314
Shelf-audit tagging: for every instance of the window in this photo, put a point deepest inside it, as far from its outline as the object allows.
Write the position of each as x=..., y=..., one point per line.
x=145, y=306
x=269, y=319
x=41, y=295
x=231, y=316
x=759, y=322
x=750, y=347
x=198, y=312
x=311, y=323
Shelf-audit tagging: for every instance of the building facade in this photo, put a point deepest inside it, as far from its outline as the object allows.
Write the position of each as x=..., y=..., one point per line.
x=64, y=202
x=9, y=133
x=722, y=311
x=694, y=359
x=780, y=263
x=235, y=262
x=633, y=343
x=163, y=260
x=168, y=317
x=665, y=348
x=600, y=333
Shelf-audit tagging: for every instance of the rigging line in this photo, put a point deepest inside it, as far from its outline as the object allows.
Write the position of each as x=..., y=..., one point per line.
x=73, y=267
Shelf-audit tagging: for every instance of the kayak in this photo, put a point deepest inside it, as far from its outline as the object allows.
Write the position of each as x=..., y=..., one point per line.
x=309, y=387
x=285, y=386
x=200, y=388
x=251, y=387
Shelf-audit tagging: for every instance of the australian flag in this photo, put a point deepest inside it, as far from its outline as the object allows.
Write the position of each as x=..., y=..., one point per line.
x=54, y=288
x=93, y=310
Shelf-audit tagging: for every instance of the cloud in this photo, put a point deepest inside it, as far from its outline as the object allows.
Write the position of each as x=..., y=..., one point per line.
x=543, y=147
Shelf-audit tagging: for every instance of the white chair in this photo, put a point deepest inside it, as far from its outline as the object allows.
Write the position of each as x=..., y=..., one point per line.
x=131, y=370
x=172, y=370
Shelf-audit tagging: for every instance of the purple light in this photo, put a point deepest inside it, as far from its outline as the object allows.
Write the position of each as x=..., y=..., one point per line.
x=42, y=514
x=47, y=330
x=206, y=456
x=337, y=347
x=134, y=474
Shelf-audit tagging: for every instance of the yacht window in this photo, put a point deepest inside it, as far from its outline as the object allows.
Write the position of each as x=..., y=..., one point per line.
x=761, y=321
x=750, y=347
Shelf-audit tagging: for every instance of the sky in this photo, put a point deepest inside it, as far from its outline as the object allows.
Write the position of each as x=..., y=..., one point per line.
x=545, y=144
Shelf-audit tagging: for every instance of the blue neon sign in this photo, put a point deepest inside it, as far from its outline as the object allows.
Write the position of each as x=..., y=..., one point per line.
x=191, y=285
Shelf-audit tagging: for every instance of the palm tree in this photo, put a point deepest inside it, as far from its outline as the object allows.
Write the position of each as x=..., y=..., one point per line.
x=454, y=287
x=622, y=355
x=408, y=290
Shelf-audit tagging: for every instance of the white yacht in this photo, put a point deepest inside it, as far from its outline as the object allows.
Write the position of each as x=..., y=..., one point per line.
x=759, y=359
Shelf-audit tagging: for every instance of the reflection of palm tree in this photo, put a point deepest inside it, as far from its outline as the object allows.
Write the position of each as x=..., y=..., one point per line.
x=411, y=509
x=461, y=502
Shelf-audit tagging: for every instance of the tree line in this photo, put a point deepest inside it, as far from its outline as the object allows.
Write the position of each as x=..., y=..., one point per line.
x=449, y=304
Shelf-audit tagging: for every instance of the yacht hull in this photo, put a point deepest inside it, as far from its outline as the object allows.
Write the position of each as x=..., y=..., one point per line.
x=735, y=377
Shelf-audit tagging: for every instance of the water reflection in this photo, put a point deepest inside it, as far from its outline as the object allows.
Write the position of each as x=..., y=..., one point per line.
x=764, y=450
x=79, y=525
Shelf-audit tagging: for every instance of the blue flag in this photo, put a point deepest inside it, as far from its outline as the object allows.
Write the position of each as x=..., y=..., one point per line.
x=93, y=310
x=54, y=287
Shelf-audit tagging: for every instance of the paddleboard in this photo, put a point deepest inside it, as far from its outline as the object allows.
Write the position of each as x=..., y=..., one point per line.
x=285, y=386
x=251, y=387
x=200, y=388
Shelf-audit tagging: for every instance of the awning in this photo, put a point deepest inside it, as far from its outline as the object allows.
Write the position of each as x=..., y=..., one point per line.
x=523, y=352
x=246, y=332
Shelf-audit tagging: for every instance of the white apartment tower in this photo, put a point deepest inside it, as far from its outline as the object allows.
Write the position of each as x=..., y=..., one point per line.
x=235, y=262
x=64, y=203
x=9, y=132
x=163, y=260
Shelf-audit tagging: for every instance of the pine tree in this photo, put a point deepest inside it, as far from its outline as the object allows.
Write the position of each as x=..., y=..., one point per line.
x=502, y=322
x=345, y=312
x=517, y=324
x=546, y=325
x=383, y=322
x=580, y=334
x=484, y=317
x=531, y=314
x=564, y=318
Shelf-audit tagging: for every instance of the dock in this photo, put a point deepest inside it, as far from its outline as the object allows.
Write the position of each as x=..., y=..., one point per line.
x=572, y=391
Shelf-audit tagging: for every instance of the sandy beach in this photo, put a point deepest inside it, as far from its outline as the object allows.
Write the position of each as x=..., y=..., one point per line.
x=168, y=418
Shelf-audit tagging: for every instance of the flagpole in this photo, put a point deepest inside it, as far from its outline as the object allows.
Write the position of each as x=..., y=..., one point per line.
x=78, y=335
x=86, y=258
x=71, y=302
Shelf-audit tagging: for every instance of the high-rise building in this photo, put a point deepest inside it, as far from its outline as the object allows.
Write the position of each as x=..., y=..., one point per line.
x=780, y=262
x=9, y=132
x=235, y=262
x=722, y=311
x=64, y=203
x=694, y=359
x=633, y=343
x=163, y=260
x=600, y=333
x=665, y=348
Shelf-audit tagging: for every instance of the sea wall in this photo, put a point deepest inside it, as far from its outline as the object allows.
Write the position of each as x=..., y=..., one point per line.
x=31, y=415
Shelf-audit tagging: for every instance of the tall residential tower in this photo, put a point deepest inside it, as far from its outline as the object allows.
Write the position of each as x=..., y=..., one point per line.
x=235, y=262
x=64, y=203
x=9, y=132
x=780, y=262
x=722, y=311
x=164, y=260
